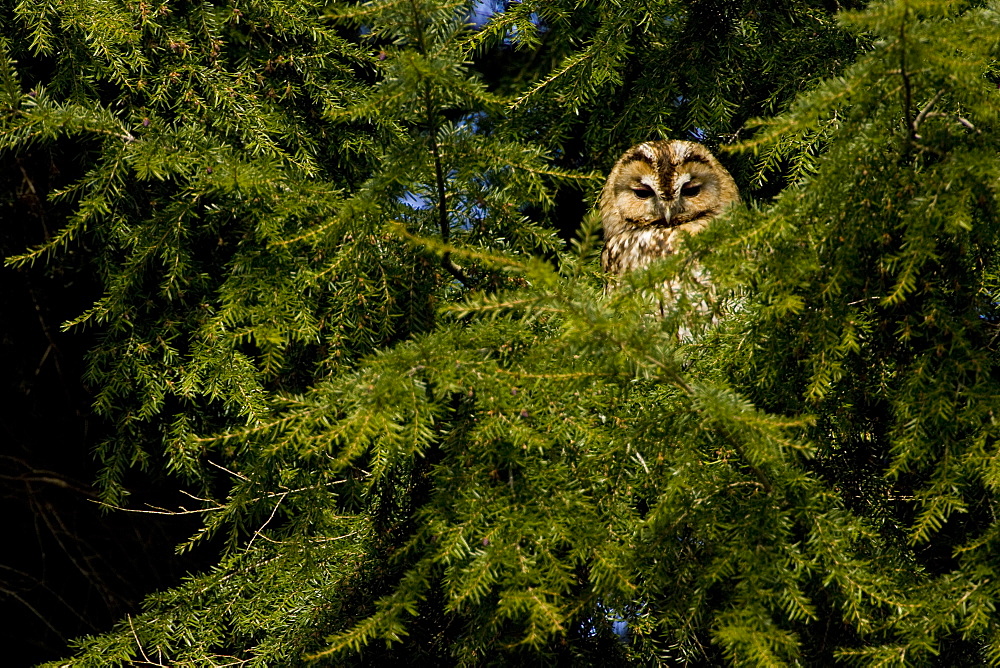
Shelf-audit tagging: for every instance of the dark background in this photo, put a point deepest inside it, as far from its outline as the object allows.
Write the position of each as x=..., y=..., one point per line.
x=68, y=567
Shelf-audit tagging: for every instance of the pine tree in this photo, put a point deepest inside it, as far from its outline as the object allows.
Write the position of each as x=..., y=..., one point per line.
x=337, y=310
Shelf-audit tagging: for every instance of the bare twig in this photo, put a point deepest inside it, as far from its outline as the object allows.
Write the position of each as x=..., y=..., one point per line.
x=964, y=122
x=915, y=126
x=232, y=473
x=969, y=125
x=138, y=644
x=259, y=531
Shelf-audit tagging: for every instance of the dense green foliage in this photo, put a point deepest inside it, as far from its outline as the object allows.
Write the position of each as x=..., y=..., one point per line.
x=337, y=309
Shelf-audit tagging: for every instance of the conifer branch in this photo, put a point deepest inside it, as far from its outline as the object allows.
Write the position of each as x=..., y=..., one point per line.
x=677, y=379
x=439, y=177
x=499, y=440
x=911, y=132
x=762, y=478
x=442, y=203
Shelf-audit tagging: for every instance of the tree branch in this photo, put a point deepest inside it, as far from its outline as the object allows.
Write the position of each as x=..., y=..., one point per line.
x=907, y=91
x=442, y=195
x=922, y=115
x=442, y=204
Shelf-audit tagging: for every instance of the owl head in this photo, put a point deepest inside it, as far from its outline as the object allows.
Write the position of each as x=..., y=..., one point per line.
x=655, y=191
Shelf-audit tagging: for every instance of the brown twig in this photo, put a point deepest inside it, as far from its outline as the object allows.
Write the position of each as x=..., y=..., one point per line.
x=922, y=115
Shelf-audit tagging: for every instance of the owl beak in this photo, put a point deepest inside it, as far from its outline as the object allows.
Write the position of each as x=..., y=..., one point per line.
x=666, y=211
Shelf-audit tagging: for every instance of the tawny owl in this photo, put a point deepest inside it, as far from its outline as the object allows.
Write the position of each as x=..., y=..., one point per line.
x=656, y=192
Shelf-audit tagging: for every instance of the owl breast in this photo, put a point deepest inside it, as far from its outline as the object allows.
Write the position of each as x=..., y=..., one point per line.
x=635, y=248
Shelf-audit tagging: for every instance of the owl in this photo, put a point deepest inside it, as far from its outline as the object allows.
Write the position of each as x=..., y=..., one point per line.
x=657, y=192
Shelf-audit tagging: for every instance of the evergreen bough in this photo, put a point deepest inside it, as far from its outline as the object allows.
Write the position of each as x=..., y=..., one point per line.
x=336, y=308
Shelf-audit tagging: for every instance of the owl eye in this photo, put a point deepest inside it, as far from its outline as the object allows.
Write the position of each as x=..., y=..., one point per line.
x=690, y=189
x=642, y=191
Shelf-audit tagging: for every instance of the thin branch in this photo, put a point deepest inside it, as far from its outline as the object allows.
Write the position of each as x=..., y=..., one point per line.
x=443, y=222
x=969, y=125
x=232, y=473
x=259, y=532
x=923, y=114
x=442, y=203
x=964, y=122
x=679, y=381
x=907, y=91
x=43, y=618
x=763, y=478
x=158, y=511
x=138, y=644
